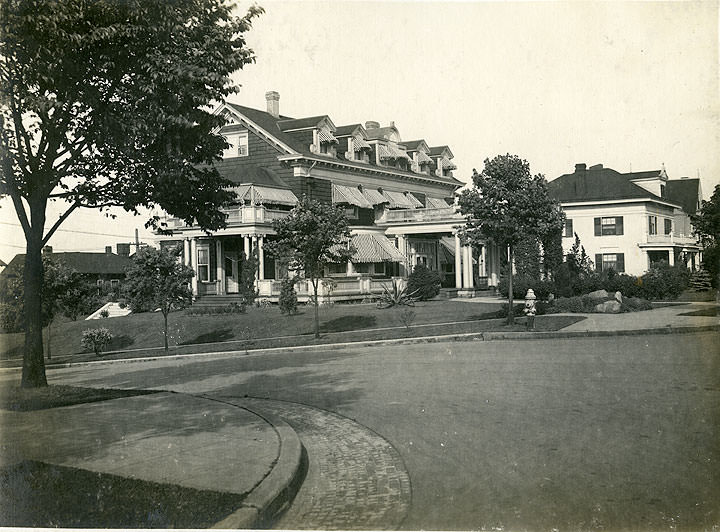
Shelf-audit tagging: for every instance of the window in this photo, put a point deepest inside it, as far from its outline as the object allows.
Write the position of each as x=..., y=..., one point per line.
x=668, y=226
x=609, y=226
x=568, y=232
x=652, y=225
x=203, y=259
x=662, y=191
x=238, y=145
x=351, y=212
x=100, y=282
x=610, y=261
x=114, y=282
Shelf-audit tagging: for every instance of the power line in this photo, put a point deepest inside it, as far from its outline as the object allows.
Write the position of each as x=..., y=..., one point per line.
x=78, y=231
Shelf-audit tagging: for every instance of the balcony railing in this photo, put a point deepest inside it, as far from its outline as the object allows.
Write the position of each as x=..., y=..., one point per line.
x=671, y=239
x=245, y=214
x=419, y=215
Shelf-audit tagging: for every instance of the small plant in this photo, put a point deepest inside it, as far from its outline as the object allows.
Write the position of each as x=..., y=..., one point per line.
x=264, y=303
x=96, y=339
x=424, y=283
x=396, y=297
x=104, y=313
x=237, y=308
x=329, y=285
x=407, y=316
x=288, y=297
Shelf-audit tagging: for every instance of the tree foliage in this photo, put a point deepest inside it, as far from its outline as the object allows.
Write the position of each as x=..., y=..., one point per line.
x=157, y=279
x=707, y=226
x=106, y=103
x=310, y=238
x=506, y=205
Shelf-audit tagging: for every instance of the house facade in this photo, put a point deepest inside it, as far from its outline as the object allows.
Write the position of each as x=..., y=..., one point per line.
x=398, y=197
x=629, y=221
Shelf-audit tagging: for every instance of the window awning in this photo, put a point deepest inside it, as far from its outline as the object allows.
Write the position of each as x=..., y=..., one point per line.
x=351, y=195
x=422, y=158
x=416, y=202
x=391, y=152
x=374, y=196
x=324, y=135
x=359, y=143
x=383, y=151
x=375, y=248
x=435, y=203
x=398, y=200
x=446, y=164
x=258, y=194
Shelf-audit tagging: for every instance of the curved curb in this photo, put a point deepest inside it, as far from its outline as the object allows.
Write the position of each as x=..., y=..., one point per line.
x=277, y=490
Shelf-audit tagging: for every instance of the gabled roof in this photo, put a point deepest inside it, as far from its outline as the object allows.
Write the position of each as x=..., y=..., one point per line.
x=685, y=192
x=436, y=151
x=346, y=131
x=238, y=170
x=82, y=262
x=414, y=145
x=650, y=174
x=597, y=184
x=303, y=123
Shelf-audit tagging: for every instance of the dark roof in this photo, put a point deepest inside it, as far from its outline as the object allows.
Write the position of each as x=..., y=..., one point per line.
x=596, y=184
x=237, y=170
x=82, y=262
x=342, y=131
x=412, y=145
x=685, y=192
x=381, y=132
x=650, y=174
x=2, y=263
x=300, y=123
x=437, y=150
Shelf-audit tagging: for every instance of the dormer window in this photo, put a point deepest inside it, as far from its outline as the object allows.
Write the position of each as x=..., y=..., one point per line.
x=327, y=141
x=238, y=144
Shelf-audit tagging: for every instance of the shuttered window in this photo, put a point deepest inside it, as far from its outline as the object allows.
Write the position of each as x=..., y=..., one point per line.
x=612, y=225
x=652, y=225
x=610, y=261
x=668, y=226
x=568, y=231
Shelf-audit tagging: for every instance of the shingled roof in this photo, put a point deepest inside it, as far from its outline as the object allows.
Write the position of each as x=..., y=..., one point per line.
x=685, y=192
x=81, y=262
x=597, y=184
x=239, y=170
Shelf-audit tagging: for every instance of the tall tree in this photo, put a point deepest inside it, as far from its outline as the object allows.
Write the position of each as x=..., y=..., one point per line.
x=507, y=204
x=707, y=227
x=313, y=236
x=106, y=103
x=157, y=279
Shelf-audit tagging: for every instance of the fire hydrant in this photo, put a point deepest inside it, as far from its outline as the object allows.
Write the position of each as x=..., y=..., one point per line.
x=530, y=308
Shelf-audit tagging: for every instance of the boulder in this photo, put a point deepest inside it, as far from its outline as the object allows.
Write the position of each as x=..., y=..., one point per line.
x=618, y=297
x=598, y=294
x=608, y=307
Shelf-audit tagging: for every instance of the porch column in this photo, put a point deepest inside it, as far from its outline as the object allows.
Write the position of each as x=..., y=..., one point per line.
x=402, y=246
x=671, y=257
x=246, y=245
x=494, y=259
x=254, y=247
x=437, y=257
x=468, y=270
x=219, y=267
x=186, y=252
x=458, y=263
x=193, y=264
x=349, y=268
x=261, y=258
x=482, y=267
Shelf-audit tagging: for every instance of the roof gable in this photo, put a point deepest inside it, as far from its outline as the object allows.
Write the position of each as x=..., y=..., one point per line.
x=596, y=184
x=685, y=192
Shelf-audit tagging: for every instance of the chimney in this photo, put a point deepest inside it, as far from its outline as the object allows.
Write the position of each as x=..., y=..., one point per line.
x=123, y=249
x=47, y=250
x=108, y=250
x=580, y=167
x=392, y=123
x=273, y=103
x=371, y=124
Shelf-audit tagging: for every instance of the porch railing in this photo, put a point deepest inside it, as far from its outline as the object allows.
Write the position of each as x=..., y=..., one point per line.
x=245, y=214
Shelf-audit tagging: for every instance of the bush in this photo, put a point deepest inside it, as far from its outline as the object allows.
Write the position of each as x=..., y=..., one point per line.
x=569, y=304
x=423, y=283
x=627, y=285
x=96, y=339
x=288, y=300
x=396, y=297
x=664, y=282
x=542, y=288
x=104, y=313
x=407, y=316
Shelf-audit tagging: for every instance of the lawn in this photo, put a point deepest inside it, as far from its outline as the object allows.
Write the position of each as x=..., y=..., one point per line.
x=27, y=399
x=142, y=334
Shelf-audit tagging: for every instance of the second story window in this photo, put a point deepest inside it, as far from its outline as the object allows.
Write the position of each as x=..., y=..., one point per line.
x=568, y=230
x=238, y=145
x=668, y=226
x=609, y=225
x=652, y=225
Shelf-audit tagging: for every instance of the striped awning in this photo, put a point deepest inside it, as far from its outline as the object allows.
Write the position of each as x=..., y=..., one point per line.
x=435, y=203
x=422, y=158
x=360, y=143
x=391, y=152
x=416, y=202
x=374, y=196
x=398, y=200
x=446, y=164
x=398, y=153
x=258, y=194
x=375, y=248
x=383, y=151
x=324, y=135
x=350, y=195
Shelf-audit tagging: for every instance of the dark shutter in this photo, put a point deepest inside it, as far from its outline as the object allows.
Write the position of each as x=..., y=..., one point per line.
x=668, y=226
x=620, y=262
x=598, y=227
x=618, y=225
x=598, y=261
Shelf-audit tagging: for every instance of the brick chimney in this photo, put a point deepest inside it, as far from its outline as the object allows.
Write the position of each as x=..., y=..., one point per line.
x=371, y=124
x=273, y=103
x=580, y=167
x=108, y=250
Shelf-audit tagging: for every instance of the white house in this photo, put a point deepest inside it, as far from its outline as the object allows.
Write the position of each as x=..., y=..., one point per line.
x=629, y=221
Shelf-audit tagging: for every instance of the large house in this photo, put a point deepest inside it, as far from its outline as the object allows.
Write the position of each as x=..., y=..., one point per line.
x=629, y=221
x=398, y=196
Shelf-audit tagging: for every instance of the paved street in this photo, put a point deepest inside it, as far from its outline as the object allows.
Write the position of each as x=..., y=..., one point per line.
x=609, y=433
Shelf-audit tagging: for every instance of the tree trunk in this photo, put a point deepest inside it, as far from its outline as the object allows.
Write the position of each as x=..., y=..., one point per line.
x=49, y=339
x=511, y=311
x=165, y=317
x=317, y=307
x=33, y=371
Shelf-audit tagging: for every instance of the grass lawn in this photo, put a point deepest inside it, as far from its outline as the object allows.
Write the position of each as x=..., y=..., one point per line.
x=142, y=334
x=36, y=494
x=27, y=399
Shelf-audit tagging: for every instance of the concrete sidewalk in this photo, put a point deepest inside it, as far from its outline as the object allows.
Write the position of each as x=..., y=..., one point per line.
x=171, y=438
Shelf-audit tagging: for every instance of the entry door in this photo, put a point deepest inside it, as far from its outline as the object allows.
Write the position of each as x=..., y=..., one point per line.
x=231, y=272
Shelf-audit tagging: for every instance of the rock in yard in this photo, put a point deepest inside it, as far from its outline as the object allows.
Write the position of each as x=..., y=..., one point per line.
x=618, y=297
x=598, y=294
x=608, y=307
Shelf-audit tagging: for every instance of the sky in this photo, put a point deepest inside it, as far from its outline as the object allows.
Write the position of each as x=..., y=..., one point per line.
x=631, y=85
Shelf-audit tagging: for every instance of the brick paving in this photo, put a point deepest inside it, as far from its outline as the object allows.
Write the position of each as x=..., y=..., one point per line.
x=356, y=480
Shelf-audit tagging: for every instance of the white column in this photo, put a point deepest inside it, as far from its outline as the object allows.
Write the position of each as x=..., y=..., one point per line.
x=671, y=257
x=219, y=267
x=468, y=269
x=186, y=252
x=349, y=268
x=261, y=261
x=246, y=245
x=458, y=263
x=494, y=257
x=402, y=246
x=193, y=264
x=482, y=267
x=254, y=247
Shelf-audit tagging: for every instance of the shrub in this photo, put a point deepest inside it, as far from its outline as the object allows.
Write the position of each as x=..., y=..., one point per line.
x=627, y=285
x=96, y=339
x=424, y=283
x=263, y=303
x=104, y=313
x=569, y=304
x=542, y=288
x=237, y=308
x=664, y=282
x=288, y=297
x=407, y=316
x=396, y=297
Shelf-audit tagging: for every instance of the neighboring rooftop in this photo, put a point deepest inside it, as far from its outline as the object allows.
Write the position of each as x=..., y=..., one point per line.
x=82, y=262
x=685, y=192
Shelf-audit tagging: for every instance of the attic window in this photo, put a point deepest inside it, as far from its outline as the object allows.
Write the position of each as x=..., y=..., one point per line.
x=238, y=142
x=325, y=137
